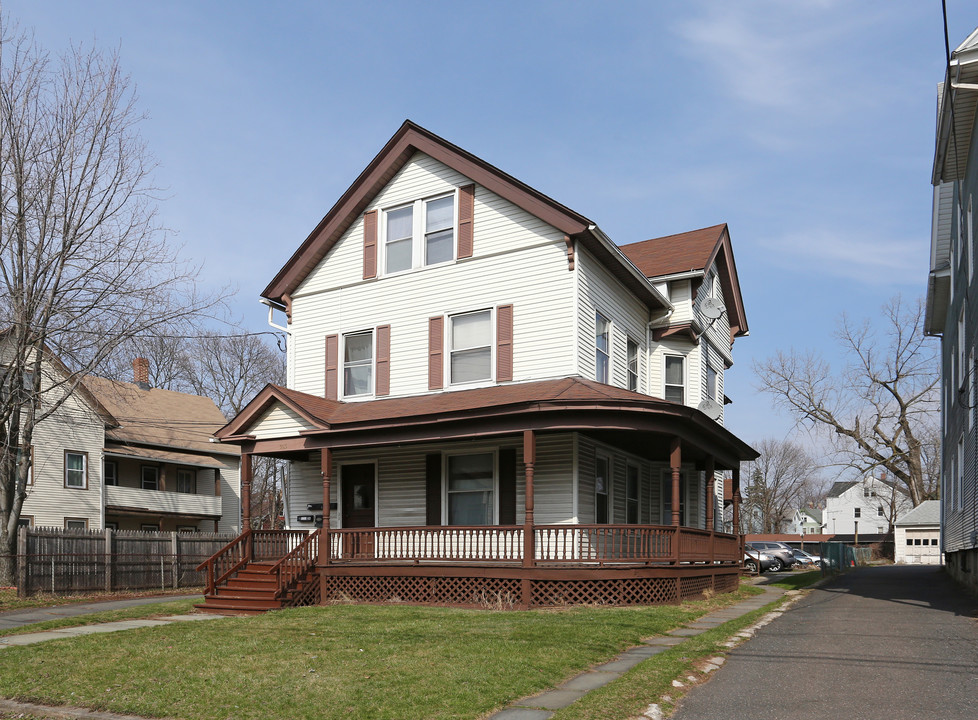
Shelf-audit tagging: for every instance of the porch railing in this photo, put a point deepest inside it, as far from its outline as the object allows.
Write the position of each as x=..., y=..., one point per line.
x=249, y=546
x=296, y=564
x=554, y=544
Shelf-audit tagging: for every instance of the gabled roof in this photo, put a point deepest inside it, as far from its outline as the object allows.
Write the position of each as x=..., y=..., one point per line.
x=160, y=418
x=927, y=513
x=412, y=138
x=511, y=400
x=694, y=251
x=840, y=487
x=814, y=513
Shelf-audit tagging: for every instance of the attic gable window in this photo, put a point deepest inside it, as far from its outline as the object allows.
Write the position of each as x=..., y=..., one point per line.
x=419, y=234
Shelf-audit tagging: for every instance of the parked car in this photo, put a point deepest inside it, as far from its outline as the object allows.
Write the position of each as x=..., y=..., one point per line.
x=752, y=559
x=784, y=558
x=807, y=559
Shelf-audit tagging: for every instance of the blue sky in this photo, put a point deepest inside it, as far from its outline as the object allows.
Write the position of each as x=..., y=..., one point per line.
x=808, y=127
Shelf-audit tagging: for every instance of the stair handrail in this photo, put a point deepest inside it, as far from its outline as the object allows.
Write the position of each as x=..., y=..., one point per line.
x=297, y=563
x=235, y=555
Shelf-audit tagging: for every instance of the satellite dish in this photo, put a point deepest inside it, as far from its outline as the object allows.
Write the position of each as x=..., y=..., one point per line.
x=712, y=308
x=711, y=408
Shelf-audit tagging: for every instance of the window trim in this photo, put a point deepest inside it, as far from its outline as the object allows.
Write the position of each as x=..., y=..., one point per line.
x=84, y=521
x=632, y=377
x=419, y=233
x=446, y=492
x=609, y=334
x=28, y=518
x=149, y=527
x=142, y=477
x=449, y=350
x=341, y=362
x=665, y=384
x=84, y=456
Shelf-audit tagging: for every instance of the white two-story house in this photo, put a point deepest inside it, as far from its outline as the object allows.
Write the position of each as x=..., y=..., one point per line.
x=864, y=507
x=487, y=397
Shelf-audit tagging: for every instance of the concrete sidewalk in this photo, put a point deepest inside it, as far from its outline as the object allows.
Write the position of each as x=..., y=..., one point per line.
x=543, y=706
x=20, y=618
x=877, y=643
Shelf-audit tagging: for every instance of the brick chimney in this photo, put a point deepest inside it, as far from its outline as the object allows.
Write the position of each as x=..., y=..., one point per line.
x=140, y=372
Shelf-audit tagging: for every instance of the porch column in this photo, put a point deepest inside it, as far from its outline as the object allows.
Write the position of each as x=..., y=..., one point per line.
x=326, y=467
x=710, y=495
x=675, y=462
x=529, y=459
x=245, y=492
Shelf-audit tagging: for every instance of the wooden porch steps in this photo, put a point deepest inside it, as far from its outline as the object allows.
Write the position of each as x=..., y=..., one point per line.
x=252, y=592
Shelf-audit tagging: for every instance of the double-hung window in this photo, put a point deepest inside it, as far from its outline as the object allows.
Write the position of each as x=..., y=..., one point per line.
x=632, y=356
x=471, y=481
x=110, y=472
x=470, y=347
x=419, y=234
x=711, y=383
x=602, y=348
x=602, y=480
x=631, y=494
x=358, y=363
x=76, y=470
x=150, y=477
x=186, y=481
x=675, y=378
x=856, y=512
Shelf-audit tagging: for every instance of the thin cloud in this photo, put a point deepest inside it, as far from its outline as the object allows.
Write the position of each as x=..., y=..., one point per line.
x=849, y=256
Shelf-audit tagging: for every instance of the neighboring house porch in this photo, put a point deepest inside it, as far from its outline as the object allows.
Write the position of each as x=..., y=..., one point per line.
x=531, y=494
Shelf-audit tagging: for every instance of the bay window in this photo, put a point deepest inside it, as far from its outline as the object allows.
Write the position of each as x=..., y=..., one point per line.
x=632, y=356
x=602, y=348
x=675, y=378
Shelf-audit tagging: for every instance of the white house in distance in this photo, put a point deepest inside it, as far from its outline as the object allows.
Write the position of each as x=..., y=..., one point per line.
x=484, y=391
x=130, y=457
x=917, y=535
x=863, y=507
x=806, y=521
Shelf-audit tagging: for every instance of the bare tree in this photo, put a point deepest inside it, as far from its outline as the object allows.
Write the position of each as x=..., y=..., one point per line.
x=84, y=264
x=880, y=410
x=777, y=483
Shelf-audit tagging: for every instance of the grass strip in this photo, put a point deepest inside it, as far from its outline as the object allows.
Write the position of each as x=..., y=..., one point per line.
x=651, y=681
x=797, y=581
x=10, y=602
x=172, y=607
x=340, y=662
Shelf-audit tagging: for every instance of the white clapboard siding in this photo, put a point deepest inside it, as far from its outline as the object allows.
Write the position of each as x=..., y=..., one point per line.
x=676, y=346
x=230, y=494
x=599, y=291
x=75, y=426
x=279, y=421
x=682, y=301
x=401, y=480
x=534, y=280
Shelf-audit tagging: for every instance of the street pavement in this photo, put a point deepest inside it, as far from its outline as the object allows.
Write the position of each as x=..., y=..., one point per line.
x=878, y=643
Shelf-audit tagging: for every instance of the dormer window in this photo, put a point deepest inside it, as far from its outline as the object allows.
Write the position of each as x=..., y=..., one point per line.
x=419, y=234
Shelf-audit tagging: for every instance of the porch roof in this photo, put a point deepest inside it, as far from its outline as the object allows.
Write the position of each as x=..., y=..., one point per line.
x=563, y=404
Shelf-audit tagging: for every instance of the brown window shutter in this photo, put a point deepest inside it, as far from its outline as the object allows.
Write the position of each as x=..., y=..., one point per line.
x=382, y=383
x=507, y=486
x=466, y=212
x=370, y=245
x=504, y=343
x=332, y=366
x=432, y=478
x=436, y=352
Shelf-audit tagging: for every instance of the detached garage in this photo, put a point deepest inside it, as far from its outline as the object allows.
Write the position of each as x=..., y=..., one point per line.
x=917, y=535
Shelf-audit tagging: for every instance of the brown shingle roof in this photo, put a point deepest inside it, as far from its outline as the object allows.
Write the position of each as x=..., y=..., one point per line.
x=159, y=417
x=677, y=253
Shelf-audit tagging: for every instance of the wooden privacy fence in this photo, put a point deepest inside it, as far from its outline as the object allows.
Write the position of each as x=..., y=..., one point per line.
x=65, y=561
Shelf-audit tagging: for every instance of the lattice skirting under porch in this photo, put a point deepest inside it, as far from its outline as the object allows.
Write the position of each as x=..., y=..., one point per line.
x=509, y=592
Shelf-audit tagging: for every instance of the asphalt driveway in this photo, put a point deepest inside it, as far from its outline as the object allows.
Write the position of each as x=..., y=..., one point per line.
x=883, y=643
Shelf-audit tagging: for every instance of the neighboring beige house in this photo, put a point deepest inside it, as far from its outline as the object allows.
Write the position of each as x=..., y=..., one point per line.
x=917, y=535
x=130, y=457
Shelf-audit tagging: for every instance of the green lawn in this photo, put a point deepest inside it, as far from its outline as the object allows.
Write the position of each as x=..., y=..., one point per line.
x=343, y=661
x=173, y=607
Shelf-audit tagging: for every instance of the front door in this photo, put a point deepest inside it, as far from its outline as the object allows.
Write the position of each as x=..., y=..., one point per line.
x=357, y=488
